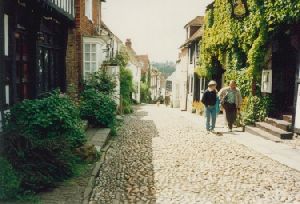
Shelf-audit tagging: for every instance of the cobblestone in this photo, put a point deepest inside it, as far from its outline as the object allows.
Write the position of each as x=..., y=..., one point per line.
x=161, y=157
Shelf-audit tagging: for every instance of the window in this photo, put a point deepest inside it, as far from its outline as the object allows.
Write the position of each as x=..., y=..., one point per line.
x=192, y=53
x=192, y=84
x=89, y=9
x=90, y=59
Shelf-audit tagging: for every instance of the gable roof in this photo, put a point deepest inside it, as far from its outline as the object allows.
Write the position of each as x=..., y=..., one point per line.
x=144, y=60
x=198, y=21
x=196, y=36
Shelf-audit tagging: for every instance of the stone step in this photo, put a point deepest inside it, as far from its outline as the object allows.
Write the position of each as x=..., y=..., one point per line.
x=282, y=124
x=259, y=132
x=288, y=118
x=275, y=131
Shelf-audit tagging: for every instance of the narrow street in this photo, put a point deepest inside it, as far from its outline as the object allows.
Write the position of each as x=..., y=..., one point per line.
x=160, y=156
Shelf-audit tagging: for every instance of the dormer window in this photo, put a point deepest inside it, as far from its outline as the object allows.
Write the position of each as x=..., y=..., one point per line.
x=89, y=9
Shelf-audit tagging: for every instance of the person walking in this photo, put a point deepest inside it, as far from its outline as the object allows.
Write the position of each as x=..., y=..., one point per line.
x=231, y=100
x=209, y=99
x=167, y=99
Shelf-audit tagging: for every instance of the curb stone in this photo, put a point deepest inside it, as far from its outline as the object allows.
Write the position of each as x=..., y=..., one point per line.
x=88, y=190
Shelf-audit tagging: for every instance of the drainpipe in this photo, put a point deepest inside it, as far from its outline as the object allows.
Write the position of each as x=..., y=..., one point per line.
x=187, y=81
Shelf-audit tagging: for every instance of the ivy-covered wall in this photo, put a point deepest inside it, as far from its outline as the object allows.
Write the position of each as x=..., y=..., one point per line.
x=241, y=43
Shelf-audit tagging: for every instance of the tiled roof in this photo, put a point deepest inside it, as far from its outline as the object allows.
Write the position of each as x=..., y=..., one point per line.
x=144, y=59
x=194, y=37
x=198, y=21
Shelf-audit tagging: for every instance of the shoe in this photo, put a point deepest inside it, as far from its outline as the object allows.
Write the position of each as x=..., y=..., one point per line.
x=229, y=130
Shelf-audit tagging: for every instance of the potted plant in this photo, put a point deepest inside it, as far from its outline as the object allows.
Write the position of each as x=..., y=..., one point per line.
x=199, y=108
x=194, y=107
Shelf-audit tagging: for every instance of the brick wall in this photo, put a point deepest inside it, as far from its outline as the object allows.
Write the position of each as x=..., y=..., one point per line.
x=83, y=27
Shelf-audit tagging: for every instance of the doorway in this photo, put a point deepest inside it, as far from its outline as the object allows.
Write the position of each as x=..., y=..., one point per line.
x=218, y=73
x=285, y=62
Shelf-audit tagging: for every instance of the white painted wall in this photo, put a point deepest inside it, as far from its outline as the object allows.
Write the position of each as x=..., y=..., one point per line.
x=183, y=81
x=136, y=73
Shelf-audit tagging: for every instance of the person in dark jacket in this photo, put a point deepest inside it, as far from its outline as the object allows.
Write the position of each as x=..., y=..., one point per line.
x=209, y=99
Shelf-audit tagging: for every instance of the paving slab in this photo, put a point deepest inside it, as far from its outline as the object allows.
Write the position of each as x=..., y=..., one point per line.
x=73, y=190
x=282, y=153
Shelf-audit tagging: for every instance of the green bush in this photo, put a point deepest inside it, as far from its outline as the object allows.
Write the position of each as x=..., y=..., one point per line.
x=127, y=106
x=102, y=82
x=126, y=89
x=98, y=108
x=145, y=93
x=255, y=109
x=41, y=137
x=9, y=181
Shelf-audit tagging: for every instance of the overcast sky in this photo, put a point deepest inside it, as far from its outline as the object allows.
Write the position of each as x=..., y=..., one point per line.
x=154, y=26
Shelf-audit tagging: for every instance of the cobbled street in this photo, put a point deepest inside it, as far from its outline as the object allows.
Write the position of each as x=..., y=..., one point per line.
x=160, y=156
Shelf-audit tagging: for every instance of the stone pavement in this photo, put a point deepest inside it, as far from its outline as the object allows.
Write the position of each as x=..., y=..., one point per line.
x=286, y=152
x=72, y=191
x=161, y=156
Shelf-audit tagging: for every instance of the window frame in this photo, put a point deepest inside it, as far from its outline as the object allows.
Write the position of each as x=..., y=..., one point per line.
x=92, y=61
x=99, y=54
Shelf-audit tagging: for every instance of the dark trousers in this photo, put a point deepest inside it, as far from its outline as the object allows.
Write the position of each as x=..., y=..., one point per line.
x=231, y=113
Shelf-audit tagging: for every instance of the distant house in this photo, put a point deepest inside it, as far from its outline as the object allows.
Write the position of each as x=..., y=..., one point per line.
x=192, y=86
x=33, y=36
x=146, y=66
x=136, y=70
x=175, y=97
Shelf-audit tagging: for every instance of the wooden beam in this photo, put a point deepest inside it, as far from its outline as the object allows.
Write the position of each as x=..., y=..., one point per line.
x=2, y=97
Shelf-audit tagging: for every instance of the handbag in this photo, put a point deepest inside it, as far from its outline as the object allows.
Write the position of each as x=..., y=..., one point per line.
x=224, y=99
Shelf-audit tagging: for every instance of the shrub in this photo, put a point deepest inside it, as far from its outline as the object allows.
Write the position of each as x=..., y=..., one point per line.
x=126, y=89
x=255, y=109
x=98, y=108
x=41, y=137
x=145, y=93
x=9, y=181
x=102, y=82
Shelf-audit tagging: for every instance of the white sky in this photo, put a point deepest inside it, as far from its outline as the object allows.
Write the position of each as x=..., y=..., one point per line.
x=154, y=26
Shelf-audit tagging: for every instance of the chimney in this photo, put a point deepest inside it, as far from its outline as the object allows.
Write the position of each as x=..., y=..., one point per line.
x=128, y=43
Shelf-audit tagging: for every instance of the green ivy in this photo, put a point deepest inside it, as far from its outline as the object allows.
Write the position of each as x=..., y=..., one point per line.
x=241, y=44
x=126, y=81
x=255, y=109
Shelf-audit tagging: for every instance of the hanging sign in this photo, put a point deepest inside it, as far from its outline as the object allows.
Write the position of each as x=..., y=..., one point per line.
x=239, y=8
x=266, y=81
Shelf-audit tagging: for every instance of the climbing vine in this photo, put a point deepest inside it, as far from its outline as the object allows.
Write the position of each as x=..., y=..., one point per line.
x=241, y=45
